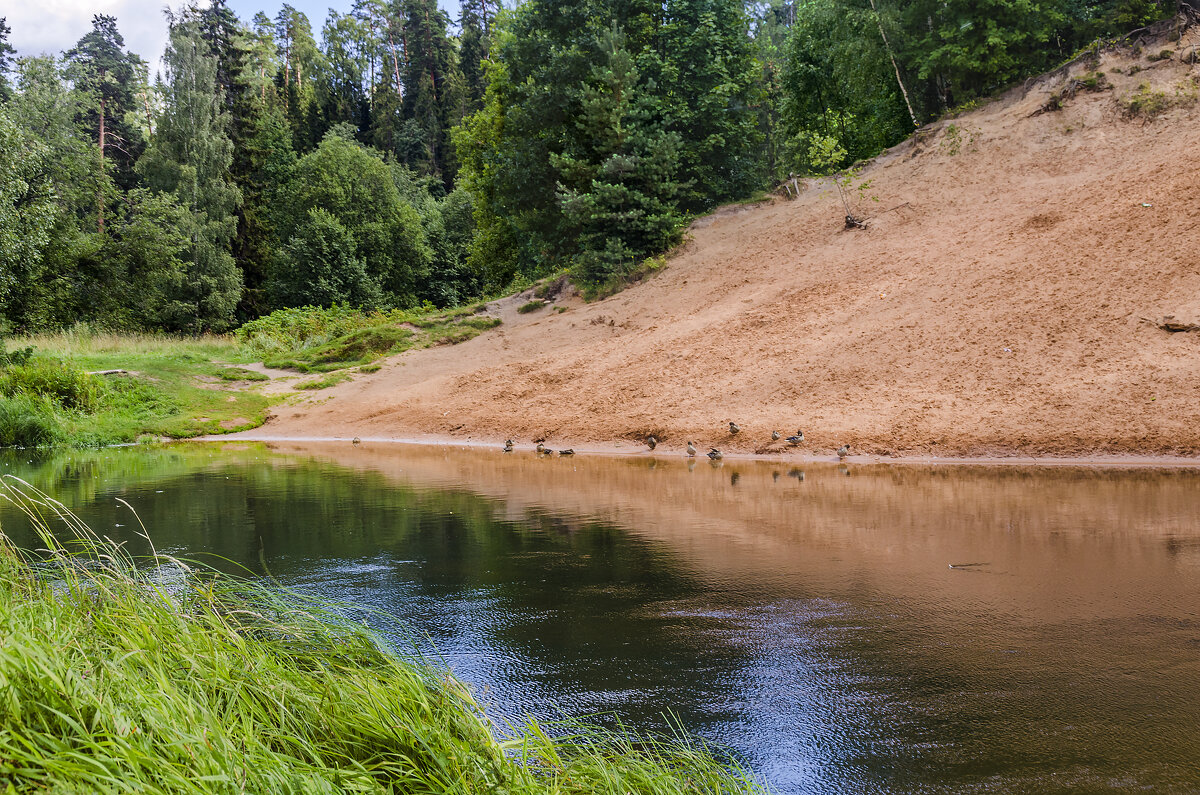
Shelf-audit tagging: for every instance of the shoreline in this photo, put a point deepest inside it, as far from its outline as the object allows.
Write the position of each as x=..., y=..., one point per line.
x=619, y=449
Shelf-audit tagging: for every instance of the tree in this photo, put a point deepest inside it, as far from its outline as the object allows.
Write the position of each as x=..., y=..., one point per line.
x=839, y=91
x=355, y=187
x=708, y=82
x=617, y=186
x=318, y=267
x=27, y=209
x=6, y=59
x=190, y=158
x=969, y=48
x=432, y=89
x=107, y=75
x=472, y=52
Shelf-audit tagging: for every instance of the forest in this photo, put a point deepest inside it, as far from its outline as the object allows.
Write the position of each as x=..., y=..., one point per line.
x=399, y=158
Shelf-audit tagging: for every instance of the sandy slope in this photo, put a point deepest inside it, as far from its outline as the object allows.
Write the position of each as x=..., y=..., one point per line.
x=998, y=311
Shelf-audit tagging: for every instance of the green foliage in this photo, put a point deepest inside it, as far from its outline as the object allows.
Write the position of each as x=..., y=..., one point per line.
x=617, y=180
x=190, y=158
x=297, y=329
x=65, y=386
x=241, y=374
x=333, y=379
x=531, y=306
x=27, y=210
x=27, y=421
x=317, y=265
x=378, y=228
x=167, y=391
x=1149, y=103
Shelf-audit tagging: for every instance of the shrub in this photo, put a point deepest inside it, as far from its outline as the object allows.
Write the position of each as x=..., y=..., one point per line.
x=532, y=306
x=68, y=387
x=27, y=421
x=296, y=329
x=19, y=356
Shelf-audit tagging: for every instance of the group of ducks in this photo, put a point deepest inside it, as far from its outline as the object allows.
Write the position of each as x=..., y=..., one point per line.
x=713, y=453
x=542, y=449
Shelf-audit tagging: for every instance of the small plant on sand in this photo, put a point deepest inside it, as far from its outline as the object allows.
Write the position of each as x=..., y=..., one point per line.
x=1148, y=103
x=532, y=306
x=958, y=139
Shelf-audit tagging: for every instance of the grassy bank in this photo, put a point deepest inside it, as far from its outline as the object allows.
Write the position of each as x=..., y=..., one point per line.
x=85, y=388
x=151, y=676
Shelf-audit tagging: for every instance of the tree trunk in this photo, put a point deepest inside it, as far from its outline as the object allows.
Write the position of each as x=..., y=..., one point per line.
x=892, y=55
x=100, y=192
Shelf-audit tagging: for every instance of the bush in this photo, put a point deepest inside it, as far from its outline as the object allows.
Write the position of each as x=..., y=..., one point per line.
x=27, y=421
x=67, y=386
x=18, y=356
x=532, y=306
x=288, y=330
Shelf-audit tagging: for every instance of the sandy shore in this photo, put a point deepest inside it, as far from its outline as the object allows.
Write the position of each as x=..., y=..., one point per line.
x=1000, y=306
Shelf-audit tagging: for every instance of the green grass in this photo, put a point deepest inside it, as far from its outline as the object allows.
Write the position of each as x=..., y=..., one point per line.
x=315, y=340
x=158, y=676
x=531, y=306
x=332, y=379
x=173, y=386
x=241, y=374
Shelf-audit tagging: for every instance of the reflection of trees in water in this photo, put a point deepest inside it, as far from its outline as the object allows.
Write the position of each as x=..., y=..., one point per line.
x=593, y=607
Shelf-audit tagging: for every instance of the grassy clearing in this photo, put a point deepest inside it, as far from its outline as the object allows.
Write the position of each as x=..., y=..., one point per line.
x=314, y=340
x=171, y=386
x=154, y=676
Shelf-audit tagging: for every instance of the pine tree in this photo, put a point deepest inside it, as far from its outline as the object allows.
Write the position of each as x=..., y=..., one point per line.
x=190, y=157
x=104, y=72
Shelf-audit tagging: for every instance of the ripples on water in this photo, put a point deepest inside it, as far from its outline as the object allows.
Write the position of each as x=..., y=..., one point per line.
x=852, y=629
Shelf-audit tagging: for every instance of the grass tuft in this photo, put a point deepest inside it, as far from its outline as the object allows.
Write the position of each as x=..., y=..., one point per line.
x=123, y=675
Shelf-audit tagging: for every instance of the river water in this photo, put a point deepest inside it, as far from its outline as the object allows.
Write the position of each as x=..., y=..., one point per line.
x=862, y=629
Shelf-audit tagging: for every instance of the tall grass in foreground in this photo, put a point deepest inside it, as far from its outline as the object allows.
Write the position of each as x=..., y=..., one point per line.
x=160, y=677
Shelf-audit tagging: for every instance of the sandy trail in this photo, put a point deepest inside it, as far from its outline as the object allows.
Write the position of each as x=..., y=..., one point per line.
x=999, y=311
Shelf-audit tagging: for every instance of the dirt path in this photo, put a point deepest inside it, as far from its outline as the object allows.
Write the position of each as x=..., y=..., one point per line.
x=998, y=311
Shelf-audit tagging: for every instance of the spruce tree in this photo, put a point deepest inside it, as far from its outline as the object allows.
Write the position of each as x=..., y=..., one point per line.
x=432, y=90
x=6, y=59
x=190, y=157
x=617, y=186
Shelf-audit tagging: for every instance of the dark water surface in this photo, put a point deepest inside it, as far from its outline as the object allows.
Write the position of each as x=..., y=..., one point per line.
x=809, y=620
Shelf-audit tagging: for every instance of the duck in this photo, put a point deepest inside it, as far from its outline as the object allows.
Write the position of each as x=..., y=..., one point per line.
x=715, y=454
x=356, y=440
x=843, y=451
x=651, y=442
x=797, y=439
x=541, y=448
x=691, y=449
x=568, y=451
x=774, y=436
x=734, y=429
x=508, y=446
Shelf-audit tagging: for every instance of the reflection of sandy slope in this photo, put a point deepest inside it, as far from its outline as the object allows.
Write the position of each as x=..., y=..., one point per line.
x=1059, y=543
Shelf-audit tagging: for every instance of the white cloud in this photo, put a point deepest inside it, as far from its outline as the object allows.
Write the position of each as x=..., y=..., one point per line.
x=51, y=26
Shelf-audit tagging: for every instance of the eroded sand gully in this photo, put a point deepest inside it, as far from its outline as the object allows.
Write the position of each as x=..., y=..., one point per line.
x=998, y=312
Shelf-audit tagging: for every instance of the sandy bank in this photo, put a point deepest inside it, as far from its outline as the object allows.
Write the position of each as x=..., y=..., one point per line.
x=999, y=310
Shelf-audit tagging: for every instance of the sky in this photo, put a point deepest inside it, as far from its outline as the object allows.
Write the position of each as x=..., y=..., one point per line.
x=51, y=26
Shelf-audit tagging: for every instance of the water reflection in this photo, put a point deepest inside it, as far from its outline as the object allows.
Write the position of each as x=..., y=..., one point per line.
x=843, y=628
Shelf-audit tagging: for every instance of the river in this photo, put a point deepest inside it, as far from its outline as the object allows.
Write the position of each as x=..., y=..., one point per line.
x=866, y=629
